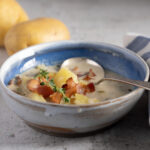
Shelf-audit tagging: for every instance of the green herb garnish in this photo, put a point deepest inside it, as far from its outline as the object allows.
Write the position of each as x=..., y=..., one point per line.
x=42, y=73
x=60, y=90
x=42, y=83
x=52, y=84
x=66, y=99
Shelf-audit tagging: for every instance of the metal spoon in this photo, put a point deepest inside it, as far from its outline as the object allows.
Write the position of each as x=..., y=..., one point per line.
x=100, y=77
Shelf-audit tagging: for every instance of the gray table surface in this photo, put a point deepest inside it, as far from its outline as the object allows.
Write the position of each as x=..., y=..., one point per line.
x=88, y=20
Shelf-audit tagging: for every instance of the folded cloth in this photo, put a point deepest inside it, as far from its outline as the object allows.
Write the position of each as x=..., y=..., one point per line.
x=140, y=44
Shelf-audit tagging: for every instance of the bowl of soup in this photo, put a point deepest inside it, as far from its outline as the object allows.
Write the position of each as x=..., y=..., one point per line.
x=66, y=100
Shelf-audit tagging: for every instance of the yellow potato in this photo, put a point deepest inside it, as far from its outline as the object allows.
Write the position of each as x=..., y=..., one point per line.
x=11, y=13
x=80, y=99
x=34, y=32
x=63, y=75
x=36, y=97
x=92, y=101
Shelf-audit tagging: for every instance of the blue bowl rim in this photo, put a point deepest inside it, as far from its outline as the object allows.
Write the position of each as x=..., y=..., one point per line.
x=59, y=44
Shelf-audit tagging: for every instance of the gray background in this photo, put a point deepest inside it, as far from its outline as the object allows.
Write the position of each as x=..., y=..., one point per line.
x=87, y=20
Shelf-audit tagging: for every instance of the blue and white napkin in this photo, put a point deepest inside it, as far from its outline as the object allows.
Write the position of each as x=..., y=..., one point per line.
x=141, y=45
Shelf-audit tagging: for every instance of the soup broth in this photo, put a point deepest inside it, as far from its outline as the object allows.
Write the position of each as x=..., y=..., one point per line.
x=63, y=86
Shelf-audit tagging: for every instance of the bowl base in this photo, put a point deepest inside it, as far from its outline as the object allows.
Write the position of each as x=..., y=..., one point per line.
x=71, y=134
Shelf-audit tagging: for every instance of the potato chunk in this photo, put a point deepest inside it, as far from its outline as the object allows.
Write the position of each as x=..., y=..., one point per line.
x=37, y=97
x=80, y=99
x=63, y=75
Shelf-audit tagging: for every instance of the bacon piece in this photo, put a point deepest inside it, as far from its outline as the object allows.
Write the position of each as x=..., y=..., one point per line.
x=64, y=86
x=70, y=83
x=90, y=88
x=33, y=84
x=56, y=97
x=71, y=91
x=70, y=87
x=44, y=90
x=83, y=89
x=91, y=73
x=87, y=78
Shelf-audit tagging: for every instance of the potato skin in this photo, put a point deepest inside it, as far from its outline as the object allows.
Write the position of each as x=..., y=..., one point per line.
x=11, y=13
x=33, y=32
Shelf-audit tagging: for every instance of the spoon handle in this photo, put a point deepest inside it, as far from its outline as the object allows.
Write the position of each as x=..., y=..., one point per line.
x=141, y=84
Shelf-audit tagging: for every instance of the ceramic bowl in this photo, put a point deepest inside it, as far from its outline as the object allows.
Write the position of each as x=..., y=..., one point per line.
x=72, y=119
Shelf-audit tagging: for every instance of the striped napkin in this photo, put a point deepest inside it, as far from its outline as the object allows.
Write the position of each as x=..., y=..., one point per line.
x=141, y=45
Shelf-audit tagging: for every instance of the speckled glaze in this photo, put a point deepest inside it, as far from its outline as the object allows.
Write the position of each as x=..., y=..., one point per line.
x=72, y=119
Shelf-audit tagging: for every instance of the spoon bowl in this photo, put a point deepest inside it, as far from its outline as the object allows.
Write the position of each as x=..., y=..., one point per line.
x=85, y=64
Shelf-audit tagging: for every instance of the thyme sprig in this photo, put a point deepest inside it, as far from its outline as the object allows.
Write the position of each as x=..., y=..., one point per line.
x=42, y=73
x=60, y=90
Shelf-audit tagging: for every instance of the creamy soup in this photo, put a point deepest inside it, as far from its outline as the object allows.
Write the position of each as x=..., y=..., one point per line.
x=66, y=86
